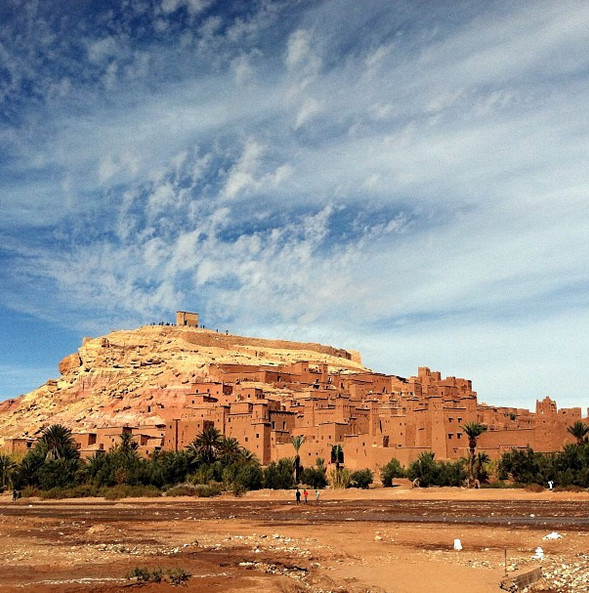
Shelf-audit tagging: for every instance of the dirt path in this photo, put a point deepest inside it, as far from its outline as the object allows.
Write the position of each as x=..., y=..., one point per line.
x=380, y=541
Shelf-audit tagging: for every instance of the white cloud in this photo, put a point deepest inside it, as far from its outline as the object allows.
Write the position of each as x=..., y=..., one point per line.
x=309, y=109
x=315, y=173
x=103, y=50
x=193, y=6
x=298, y=49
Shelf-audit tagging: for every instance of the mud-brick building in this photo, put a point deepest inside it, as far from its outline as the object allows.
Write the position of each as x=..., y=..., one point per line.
x=375, y=417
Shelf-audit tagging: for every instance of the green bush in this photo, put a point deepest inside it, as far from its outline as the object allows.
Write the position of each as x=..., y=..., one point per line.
x=430, y=472
x=139, y=574
x=127, y=491
x=340, y=477
x=314, y=476
x=81, y=491
x=362, y=478
x=279, y=475
x=178, y=576
x=249, y=477
x=393, y=469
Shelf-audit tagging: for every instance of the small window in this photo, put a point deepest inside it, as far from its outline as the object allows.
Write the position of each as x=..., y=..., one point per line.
x=450, y=435
x=458, y=435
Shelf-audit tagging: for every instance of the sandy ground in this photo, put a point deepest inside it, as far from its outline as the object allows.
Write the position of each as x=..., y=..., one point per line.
x=395, y=540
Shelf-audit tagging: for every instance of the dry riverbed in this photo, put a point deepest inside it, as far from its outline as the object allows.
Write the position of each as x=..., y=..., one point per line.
x=395, y=540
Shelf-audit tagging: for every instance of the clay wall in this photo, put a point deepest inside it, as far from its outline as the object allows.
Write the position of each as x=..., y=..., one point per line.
x=185, y=318
x=376, y=417
x=18, y=445
x=213, y=388
x=180, y=433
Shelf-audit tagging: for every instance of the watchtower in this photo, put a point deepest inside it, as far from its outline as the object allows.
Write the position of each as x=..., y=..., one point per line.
x=186, y=318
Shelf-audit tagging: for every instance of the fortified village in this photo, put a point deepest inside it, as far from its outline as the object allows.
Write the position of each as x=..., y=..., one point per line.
x=165, y=383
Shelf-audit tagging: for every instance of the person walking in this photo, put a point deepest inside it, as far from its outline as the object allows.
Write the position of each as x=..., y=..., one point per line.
x=306, y=495
x=298, y=496
x=317, y=495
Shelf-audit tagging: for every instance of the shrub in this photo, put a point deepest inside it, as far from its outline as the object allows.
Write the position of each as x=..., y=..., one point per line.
x=249, y=477
x=436, y=473
x=340, y=477
x=127, y=491
x=500, y=484
x=140, y=574
x=279, y=475
x=175, y=576
x=362, y=478
x=569, y=489
x=204, y=474
x=314, y=477
x=393, y=469
x=208, y=490
x=178, y=576
x=81, y=491
x=534, y=488
x=30, y=492
x=182, y=490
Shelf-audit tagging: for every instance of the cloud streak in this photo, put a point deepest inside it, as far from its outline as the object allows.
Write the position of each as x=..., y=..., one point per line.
x=410, y=179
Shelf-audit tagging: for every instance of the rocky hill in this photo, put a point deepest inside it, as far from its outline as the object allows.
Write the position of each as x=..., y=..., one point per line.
x=140, y=377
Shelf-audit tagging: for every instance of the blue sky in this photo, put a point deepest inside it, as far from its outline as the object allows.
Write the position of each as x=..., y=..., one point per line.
x=408, y=179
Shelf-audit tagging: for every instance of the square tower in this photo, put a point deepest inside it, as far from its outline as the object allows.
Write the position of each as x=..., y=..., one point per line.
x=187, y=319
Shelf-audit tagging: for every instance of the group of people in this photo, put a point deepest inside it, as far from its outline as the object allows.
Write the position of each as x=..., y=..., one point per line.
x=305, y=495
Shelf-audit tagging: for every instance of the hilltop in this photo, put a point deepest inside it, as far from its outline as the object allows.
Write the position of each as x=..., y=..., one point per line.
x=139, y=377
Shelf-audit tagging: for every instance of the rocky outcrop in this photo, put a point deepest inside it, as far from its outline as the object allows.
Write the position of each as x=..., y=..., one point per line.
x=141, y=376
x=69, y=363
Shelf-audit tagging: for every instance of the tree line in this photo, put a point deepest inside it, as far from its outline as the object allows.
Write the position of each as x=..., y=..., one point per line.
x=213, y=463
x=568, y=468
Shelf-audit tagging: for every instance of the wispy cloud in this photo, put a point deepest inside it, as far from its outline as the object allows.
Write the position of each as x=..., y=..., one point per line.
x=411, y=179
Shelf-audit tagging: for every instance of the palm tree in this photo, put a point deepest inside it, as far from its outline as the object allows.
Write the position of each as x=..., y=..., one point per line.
x=7, y=465
x=206, y=445
x=57, y=442
x=297, y=442
x=337, y=455
x=480, y=471
x=127, y=445
x=580, y=431
x=473, y=430
x=228, y=449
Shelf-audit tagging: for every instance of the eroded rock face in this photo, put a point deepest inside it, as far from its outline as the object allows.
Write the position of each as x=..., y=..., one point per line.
x=141, y=376
x=72, y=362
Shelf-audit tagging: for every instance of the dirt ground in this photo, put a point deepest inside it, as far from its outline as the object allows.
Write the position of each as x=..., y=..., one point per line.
x=397, y=540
